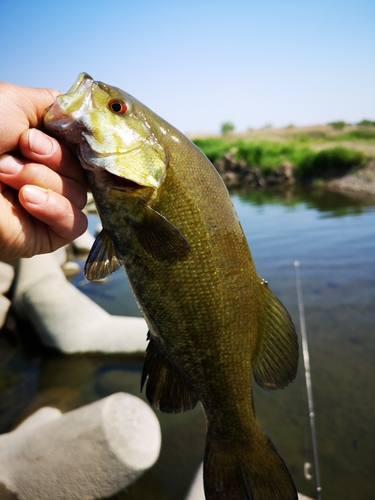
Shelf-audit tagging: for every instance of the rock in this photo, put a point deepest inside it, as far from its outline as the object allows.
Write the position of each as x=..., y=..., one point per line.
x=32, y=270
x=228, y=161
x=286, y=171
x=60, y=255
x=71, y=269
x=230, y=179
x=92, y=452
x=274, y=180
x=65, y=318
x=196, y=491
x=71, y=322
x=83, y=243
x=361, y=181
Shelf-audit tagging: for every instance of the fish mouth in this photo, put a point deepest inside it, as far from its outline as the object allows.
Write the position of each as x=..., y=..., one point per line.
x=113, y=182
x=83, y=83
x=122, y=184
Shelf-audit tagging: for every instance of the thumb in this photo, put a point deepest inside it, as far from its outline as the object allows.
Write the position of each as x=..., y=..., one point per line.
x=35, y=103
x=23, y=108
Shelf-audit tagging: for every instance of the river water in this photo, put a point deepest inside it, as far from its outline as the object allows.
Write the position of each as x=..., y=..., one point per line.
x=333, y=238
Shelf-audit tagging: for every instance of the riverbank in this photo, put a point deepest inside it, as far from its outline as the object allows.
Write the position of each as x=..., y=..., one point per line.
x=361, y=181
x=340, y=160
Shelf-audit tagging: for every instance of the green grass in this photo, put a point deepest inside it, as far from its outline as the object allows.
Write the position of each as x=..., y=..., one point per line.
x=268, y=155
x=361, y=134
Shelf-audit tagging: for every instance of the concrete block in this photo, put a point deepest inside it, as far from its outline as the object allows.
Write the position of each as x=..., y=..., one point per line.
x=65, y=318
x=4, y=308
x=83, y=243
x=6, y=277
x=89, y=453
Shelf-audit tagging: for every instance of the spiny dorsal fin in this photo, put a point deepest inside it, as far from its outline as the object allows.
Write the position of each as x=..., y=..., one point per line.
x=167, y=390
x=103, y=258
x=276, y=360
x=161, y=239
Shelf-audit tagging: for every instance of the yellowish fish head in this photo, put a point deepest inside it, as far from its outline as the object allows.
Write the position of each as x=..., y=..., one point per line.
x=111, y=131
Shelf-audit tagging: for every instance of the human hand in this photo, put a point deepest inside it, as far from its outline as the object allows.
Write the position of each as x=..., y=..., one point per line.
x=42, y=185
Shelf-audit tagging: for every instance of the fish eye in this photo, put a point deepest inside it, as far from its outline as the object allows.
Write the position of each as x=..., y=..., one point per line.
x=118, y=107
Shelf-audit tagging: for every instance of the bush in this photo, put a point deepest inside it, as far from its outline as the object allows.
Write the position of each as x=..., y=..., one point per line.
x=360, y=134
x=366, y=123
x=339, y=125
x=267, y=156
x=329, y=163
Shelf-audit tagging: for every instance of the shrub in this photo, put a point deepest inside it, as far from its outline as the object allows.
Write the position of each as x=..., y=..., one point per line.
x=329, y=162
x=366, y=123
x=339, y=125
x=268, y=156
x=361, y=134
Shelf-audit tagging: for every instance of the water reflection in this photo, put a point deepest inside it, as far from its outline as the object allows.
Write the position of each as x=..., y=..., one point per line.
x=334, y=204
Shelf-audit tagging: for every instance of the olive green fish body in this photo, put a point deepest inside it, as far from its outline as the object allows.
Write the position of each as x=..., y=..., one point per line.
x=212, y=320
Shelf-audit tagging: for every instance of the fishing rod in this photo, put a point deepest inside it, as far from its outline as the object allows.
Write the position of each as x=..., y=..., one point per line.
x=306, y=362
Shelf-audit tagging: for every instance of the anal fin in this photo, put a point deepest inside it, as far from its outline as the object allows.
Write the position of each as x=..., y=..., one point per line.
x=167, y=389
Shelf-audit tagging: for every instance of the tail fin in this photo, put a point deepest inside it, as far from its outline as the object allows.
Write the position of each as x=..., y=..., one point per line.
x=246, y=471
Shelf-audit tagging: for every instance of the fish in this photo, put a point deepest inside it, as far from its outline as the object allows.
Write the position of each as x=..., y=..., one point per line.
x=169, y=221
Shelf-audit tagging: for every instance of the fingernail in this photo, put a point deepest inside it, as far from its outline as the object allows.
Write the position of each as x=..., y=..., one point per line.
x=35, y=194
x=10, y=165
x=40, y=143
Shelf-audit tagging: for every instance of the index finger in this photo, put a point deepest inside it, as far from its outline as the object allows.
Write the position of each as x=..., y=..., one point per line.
x=39, y=147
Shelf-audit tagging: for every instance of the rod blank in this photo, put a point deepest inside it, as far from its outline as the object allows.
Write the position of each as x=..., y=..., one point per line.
x=306, y=362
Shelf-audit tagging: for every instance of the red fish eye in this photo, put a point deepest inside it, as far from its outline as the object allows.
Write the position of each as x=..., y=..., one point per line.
x=118, y=107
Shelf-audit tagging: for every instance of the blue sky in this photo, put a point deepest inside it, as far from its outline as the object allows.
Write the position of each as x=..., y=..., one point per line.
x=200, y=63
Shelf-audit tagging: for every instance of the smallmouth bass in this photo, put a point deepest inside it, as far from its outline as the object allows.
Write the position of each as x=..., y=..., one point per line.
x=168, y=220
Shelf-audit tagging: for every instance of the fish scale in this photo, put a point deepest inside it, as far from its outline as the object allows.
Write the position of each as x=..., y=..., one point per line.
x=168, y=220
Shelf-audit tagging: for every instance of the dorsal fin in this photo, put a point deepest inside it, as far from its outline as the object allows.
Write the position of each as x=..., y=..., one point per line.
x=276, y=359
x=103, y=258
x=167, y=389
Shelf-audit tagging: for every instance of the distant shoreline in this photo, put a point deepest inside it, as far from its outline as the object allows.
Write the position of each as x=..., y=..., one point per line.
x=339, y=159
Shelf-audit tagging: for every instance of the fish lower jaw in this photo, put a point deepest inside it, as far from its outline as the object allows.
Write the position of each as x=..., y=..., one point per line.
x=113, y=182
x=122, y=184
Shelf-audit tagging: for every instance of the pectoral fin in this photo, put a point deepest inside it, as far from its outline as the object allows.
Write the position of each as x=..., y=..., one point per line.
x=103, y=258
x=161, y=239
x=167, y=389
x=276, y=359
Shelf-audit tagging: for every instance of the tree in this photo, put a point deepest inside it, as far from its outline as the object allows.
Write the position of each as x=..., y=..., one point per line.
x=226, y=128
